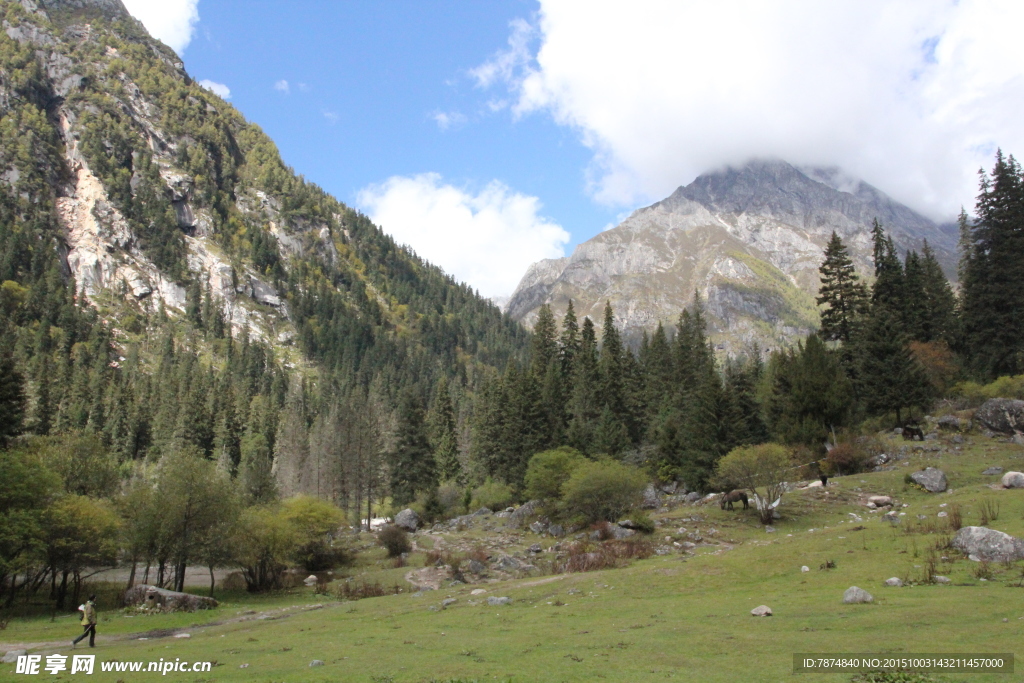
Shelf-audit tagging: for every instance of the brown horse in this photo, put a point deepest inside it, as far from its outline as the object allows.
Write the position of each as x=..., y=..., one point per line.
x=735, y=497
x=911, y=432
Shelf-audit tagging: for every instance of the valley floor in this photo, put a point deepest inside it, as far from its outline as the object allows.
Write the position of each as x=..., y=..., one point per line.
x=679, y=616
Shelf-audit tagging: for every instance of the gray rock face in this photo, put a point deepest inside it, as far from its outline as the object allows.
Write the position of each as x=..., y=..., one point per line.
x=931, y=479
x=11, y=657
x=988, y=545
x=476, y=567
x=993, y=470
x=1013, y=480
x=407, y=519
x=1002, y=415
x=749, y=239
x=692, y=497
x=761, y=611
x=949, y=423
x=556, y=530
x=854, y=595
x=494, y=601
x=523, y=512
x=894, y=582
x=651, y=498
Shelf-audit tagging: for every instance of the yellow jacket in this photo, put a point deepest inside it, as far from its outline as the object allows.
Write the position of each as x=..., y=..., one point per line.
x=89, y=615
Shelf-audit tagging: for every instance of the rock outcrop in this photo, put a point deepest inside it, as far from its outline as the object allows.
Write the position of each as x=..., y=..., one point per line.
x=982, y=544
x=1002, y=415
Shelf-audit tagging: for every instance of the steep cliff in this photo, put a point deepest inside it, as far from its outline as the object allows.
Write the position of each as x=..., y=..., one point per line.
x=749, y=239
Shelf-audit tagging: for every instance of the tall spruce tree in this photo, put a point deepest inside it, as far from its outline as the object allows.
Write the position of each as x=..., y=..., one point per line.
x=891, y=379
x=993, y=308
x=811, y=395
x=887, y=290
x=411, y=461
x=940, y=321
x=544, y=350
x=12, y=401
x=842, y=294
x=569, y=342
x=443, y=437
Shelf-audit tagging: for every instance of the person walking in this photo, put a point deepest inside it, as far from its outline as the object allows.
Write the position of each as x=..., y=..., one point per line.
x=88, y=622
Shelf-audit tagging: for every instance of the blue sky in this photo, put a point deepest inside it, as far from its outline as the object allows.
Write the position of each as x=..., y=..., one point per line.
x=489, y=135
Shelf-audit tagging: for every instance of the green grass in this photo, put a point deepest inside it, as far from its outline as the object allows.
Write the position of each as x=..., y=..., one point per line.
x=671, y=617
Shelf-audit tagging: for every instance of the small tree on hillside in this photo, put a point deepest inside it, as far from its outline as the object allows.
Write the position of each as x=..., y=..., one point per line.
x=603, y=490
x=762, y=470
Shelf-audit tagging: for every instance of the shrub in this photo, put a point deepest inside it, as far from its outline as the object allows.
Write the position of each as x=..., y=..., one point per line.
x=846, y=458
x=642, y=522
x=974, y=394
x=989, y=509
x=315, y=523
x=263, y=541
x=394, y=540
x=603, y=490
x=548, y=470
x=449, y=494
x=587, y=557
x=493, y=495
x=766, y=466
x=350, y=590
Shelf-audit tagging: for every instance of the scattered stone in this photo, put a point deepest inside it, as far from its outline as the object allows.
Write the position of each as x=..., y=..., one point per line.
x=805, y=568
x=651, y=498
x=769, y=529
x=761, y=611
x=957, y=439
x=1018, y=439
x=153, y=598
x=949, y=423
x=556, y=530
x=407, y=519
x=692, y=497
x=931, y=479
x=538, y=527
x=1013, y=480
x=686, y=545
x=855, y=595
x=1003, y=415
x=476, y=567
x=983, y=544
x=892, y=517
x=12, y=656
x=535, y=548
x=880, y=501
x=619, y=533
x=448, y=601
x=495, y=601
x=894, y=582
x=317, y=662
x=993, y=470
x=483, y=512
x=310, y=580
x=943, y=514
x=523, y=512
x=477, y=591
x=182, y=635
x=941, y=579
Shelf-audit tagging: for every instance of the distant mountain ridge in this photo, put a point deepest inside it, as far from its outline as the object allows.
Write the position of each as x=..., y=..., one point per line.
x=749, y=239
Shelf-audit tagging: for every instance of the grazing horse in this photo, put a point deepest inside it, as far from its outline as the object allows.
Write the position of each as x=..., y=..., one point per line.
x=734, y=497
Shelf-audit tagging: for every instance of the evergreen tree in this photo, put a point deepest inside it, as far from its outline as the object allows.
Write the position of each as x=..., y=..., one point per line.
x=610, y=367
x=891, y=380
x=940, y=321
x=811, y=395
x=544, y=348
x=569, y=342
x=915, y=307
x=12, y=401
x=993, y=308
x=443, y=437
x=411, y=461
x=888, y=288
x=583, y=402
x=841, y=292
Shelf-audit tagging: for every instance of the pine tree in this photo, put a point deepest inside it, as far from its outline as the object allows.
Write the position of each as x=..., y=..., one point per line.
x=993, y=308
x=443, y=437
x=888, y=288
x=891, y=380
x=610, y=366
x=811, y=395
x=841, y=292
x=915, y=299
x=658, y=370
x=941, y=321
x=569, y=343
x=12, y=401
x=411, y=461
x=583, y=402
x=545, y=348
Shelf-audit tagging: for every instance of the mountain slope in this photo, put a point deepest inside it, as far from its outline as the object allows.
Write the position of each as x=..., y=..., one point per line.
x=157, y=193
x=749, y=239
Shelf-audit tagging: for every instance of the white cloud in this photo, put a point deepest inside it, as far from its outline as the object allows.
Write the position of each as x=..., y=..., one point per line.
x=913, y=96
x=448, y=119
x=170, y=21
x=218, y=89
x=331, y=116
x=282, y=86
x=487, y=239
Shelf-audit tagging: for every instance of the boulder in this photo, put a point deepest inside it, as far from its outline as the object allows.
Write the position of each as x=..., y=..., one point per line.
x=1013, y=480
x=538, y=527
x=476, y=567
x=535, y=548
x=692, y=497
x=407, y=519
x=523, y=512
x=993, y=470
x=651, y=498
x=477, y=591
x=894, y=582
x=310, y=580
x=761, y=611
x=556, y=530
x=448, y=601
x=941, y=579
x=483, y=512
x=12, y=656
x=983, y=544
x=854, y=595
x=931, y=479
x=949, y=423
x=880, y=501
x=494, y=601
x=619, y=533
x=1002, y=415
x=891, y=517
x=317, y=662
x=805, y=569
x=151, y=597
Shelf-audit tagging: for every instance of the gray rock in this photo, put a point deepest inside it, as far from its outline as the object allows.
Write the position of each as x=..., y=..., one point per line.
x=1018, y=439
x=494, y=601
x=522, y=513
x=941, y=579
x=761, y=611
x=670, y=488
x=556, y=530
x=476, y=567
x=317, y=662
x=650, y=499
x=894, y=582
x=161, y=599
x=880, y=501
x=949, y=423
x=1013, y=480
x=1002, y=415
x=686, y=545
x=483, y=512
x=538, y=527
x=891, y=517
x=507, y=563
x=12, y=656
x=692, y=497
x=448, y=601
x=407, y=519
x=931, y=479
x=535, y=548
x=854, y=595
x=983, y=544
x=619, y=533
x=993, y=470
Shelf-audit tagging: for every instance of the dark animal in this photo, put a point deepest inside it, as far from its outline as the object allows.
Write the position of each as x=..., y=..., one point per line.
x=910, y=433
x=734, y=497
x=824, y=479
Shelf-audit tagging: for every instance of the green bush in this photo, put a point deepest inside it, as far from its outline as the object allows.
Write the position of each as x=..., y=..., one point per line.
x=603, y=490
x=394, y=539
x=975, y=394
x=315, y=524
x=548, y=470
x=642, y=522
x=493, y=495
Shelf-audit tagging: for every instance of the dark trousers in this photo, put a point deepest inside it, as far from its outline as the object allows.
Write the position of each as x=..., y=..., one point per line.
x=90, y=631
